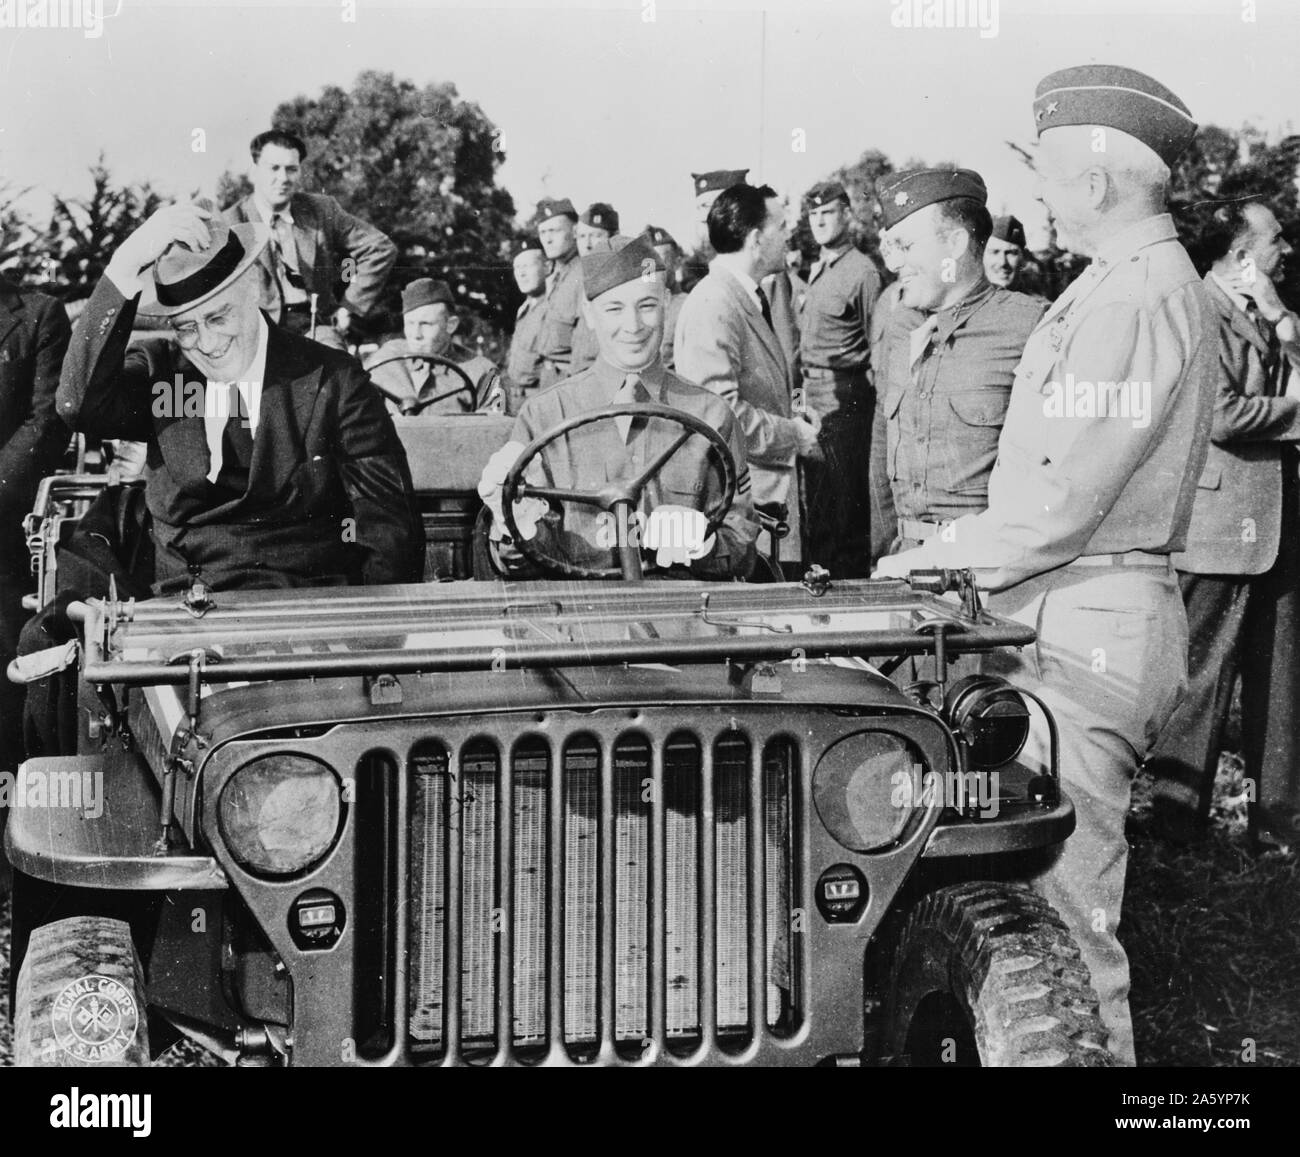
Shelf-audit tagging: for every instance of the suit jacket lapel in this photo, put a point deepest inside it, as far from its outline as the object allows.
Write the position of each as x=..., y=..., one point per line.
x=304, y=233
x=289, y=397
x=754, y=316
x=182, y=436
x=248, y=212
x=1236, y=318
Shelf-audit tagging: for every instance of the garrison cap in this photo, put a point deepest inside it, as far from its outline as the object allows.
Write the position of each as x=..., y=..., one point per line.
x=825, y=193
x=1119, y=98
x=523, y=245
x=1010, y=230
x=548, y=208
x=658, y=235
x=601, y=216
x=426, y=291
x=718, y=179
x=604, y=269
x=902, y=194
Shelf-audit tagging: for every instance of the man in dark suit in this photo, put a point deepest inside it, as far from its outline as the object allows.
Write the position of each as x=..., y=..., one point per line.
x=314, y=246
x=726, y=343
x=272, y=461
x=34, y=335
x=1240, y=573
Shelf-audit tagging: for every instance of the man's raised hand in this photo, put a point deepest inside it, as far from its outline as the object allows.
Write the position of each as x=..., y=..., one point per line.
x=186, y=224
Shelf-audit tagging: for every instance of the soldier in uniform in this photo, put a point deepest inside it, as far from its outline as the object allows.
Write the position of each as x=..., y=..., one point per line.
x=556, y=223
x=945, y=344
x=1004, y=255
x=430, y=322
x=1092, y=490
x=598, y=223
x=624, y=298
x=523, y=362
x=835, y=319
x=670, y=253
x=1240, y=573
x=592, y=238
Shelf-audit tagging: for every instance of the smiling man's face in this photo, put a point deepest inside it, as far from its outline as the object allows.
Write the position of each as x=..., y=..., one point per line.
x=220, y=336
x=628, y=321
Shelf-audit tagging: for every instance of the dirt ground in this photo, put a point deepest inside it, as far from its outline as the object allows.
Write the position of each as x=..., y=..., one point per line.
x=1212, y=933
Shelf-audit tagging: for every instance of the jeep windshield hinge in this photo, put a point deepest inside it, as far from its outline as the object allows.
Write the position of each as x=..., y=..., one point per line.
x=185, y=746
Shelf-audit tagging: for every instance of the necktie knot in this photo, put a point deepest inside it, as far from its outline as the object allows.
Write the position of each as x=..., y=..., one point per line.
x=764, y=306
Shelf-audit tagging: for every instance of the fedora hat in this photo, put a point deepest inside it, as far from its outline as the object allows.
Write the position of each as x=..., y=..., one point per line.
x=184, y=277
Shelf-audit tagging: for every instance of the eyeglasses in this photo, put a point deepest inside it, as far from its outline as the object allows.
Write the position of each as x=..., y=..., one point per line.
x=188, y=332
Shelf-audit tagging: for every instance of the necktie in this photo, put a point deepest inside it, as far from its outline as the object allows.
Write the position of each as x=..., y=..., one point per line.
x=763, y=305
x=229, y=437
x=632, y=390
x=1273, y=361
x=292, y=289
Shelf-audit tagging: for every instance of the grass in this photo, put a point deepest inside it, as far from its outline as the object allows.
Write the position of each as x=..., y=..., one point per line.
x=1213, y=939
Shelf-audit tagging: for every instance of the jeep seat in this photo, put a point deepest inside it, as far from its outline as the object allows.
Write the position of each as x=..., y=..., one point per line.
x=447, y=454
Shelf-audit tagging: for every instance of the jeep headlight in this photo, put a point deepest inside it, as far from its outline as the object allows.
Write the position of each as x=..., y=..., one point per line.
x=280, y=814
x=991, y=717
x=866, y=787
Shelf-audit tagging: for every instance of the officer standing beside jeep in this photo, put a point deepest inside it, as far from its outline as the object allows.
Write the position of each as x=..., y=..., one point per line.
x=1087, y=502
x=945, y=344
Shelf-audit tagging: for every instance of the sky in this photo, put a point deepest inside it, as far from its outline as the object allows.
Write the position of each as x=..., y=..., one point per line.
x=620, y=100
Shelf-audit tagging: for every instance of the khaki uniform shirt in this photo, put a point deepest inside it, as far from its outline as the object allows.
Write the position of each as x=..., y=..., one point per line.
x=562, y=310
x=410, y=386
x=835, y=310
x=1109, y=420
x=523, y=363
x=939, y=414
x=593, y=455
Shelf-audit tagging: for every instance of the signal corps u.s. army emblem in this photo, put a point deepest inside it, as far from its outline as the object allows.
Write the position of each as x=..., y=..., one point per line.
x=95, y=1019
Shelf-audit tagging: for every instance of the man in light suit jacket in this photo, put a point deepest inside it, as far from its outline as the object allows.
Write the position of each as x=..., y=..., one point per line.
x=726, y=342
x=271, y=460
x=315, y=246
x=1240, y=573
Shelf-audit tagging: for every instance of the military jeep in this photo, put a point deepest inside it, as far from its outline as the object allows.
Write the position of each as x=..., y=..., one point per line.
x=571, y=823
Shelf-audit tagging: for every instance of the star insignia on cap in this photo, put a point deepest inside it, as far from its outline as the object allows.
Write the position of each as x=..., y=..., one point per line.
x=901, y=198
x=1052, y=106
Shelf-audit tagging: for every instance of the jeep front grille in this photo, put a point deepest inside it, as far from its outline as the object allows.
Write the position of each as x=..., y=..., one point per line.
x=603, y=893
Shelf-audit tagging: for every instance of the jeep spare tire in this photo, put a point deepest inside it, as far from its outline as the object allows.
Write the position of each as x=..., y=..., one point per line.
x=80, y=997
x=987, y=974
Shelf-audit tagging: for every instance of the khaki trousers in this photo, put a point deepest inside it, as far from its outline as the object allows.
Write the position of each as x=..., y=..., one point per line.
x=1110, y=662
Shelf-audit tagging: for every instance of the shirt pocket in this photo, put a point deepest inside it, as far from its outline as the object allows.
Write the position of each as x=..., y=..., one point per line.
x=984, y=408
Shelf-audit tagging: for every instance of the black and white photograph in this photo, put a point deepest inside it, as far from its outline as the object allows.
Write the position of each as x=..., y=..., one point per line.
x=651, y=535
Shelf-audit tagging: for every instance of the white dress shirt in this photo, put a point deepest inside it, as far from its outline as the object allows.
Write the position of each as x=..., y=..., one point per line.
x=215, y=407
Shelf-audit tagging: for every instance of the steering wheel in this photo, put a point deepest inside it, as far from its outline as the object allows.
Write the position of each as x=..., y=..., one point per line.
x=410, y=407
x=620, y=493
